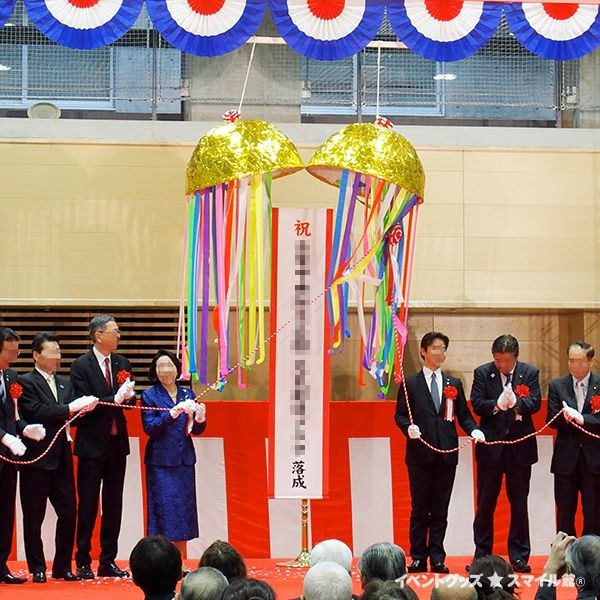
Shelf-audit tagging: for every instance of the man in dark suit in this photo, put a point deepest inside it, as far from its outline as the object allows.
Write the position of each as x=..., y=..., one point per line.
x=505, y=394
x=101, y=445
x=436, y=401
x=11, y=446
x=48, y=399
x=576, y=457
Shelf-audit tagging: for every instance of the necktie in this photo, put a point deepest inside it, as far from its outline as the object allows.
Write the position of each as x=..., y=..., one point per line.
x=52, y=385
x=2, y=392
x=435, y=393
x=113, y=427
x=580, y=395
x=508, y=380
x=107, y=373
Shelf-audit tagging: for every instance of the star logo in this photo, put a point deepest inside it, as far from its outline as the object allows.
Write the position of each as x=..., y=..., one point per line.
x=495, y=580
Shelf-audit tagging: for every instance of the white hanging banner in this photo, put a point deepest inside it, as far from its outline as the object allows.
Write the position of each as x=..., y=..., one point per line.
x=299, y=362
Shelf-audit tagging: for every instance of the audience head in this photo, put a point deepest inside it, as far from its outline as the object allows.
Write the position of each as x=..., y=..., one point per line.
x=383, y=561
x=453, y=587
x=205, y=583
x=327, y=580
x=583, y=560
x=493, y=578
x=224, y=557
x=332, y=550
x=156, y=565
x=246, y=589
x=388, y=590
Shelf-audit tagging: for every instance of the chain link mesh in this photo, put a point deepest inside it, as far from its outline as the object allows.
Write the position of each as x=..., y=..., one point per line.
x=141, y=73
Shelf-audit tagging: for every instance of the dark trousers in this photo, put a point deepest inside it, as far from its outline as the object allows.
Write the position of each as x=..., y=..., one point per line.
x=566, y=494
x=489, y=484
x=430, y=490
x=8, y=491
x=106, y=471
x=37, y=487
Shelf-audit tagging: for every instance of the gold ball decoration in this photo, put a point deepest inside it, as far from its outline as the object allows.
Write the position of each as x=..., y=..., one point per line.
x=370, y=149
x=241, y=149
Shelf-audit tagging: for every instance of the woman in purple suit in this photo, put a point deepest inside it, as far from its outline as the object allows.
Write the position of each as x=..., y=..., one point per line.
x=170, y=457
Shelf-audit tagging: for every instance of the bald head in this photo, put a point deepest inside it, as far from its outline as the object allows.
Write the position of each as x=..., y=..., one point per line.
x=453, y=587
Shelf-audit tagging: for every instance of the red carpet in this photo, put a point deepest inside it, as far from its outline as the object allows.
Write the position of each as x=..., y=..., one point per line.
x=286, y=582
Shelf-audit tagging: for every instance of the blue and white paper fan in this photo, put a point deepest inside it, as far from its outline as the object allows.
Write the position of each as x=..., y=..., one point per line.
x=6, y=9
x=444, y=30
x=83, y=24
x=206, y=27
x=555, y=31
x=327, y=29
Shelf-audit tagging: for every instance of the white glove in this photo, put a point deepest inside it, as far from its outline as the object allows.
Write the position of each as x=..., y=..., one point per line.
x=179, y=408
x=14, y=444
x=200, y=412
x=503, y=399
x=125, y=392
x=571, y=414
x=35, y=432
x=85, y=404
x=477, y=435
x=511, y=398
x=414, y=432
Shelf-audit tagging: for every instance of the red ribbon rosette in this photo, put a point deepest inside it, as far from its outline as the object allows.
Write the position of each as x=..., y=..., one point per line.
x=123, y=376
x=450, y=392
x=595, y=402
x=16, y=391
x=522, y=391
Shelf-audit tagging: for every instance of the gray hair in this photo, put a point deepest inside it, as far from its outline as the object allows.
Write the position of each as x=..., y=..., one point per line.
x=98, y=323
x=453, y=587
x=583, y=559
x=332, y=550
x=327, y=581
x=205, y=583
x=384, y=561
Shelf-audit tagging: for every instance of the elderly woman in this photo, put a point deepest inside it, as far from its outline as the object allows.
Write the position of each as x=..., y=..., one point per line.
x=170, y=456
x=580, y=557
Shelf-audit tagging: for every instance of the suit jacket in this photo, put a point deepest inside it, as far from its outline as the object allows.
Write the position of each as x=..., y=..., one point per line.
x=93, y=429
x=547, y=591
x=512, y=424
x=169, y=445
x=570, y=440
x=8, y=424
x=38, y=405
x=434, y=428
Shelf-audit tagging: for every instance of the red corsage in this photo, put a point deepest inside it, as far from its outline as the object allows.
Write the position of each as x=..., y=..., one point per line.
x=450, y=392
x=123, y=376
x=595, y=401
x=522, y=391
x=16, y=391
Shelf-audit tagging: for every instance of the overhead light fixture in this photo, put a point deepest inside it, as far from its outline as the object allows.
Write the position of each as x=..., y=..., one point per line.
x=445, y=77
x=4, y=68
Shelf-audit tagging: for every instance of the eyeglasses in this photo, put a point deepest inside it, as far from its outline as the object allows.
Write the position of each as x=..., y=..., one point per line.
x=114, y=332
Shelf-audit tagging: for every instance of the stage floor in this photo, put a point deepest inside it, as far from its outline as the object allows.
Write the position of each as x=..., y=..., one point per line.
x=287, y=582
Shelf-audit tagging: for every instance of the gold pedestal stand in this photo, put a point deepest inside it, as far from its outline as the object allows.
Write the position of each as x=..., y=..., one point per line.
x=303, y=559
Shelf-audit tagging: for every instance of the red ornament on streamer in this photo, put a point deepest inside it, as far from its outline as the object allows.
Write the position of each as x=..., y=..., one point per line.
x=16, y=391
x=123, y=376
x=522, y=391
x=231, y=116
x=395, y=235
x=450, y=392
